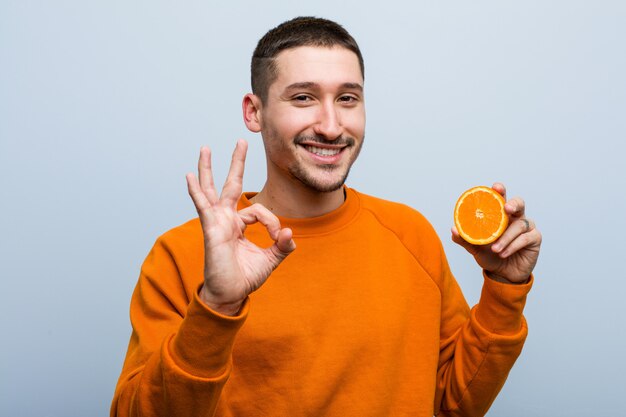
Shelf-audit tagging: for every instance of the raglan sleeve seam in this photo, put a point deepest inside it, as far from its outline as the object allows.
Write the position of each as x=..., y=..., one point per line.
x=407, y=249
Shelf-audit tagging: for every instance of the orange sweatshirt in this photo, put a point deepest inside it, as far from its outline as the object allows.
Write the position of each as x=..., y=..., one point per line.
x=363, y=319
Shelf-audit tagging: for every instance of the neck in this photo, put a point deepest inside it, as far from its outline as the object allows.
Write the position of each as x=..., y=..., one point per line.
x=298, y=201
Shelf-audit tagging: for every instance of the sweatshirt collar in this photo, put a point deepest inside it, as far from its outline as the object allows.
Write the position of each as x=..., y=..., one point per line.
x=326, y=223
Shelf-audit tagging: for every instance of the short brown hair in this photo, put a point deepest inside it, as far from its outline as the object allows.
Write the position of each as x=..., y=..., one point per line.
x=301, y=31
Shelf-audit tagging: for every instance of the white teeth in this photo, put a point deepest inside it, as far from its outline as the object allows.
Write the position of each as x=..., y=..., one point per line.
x=322, y=151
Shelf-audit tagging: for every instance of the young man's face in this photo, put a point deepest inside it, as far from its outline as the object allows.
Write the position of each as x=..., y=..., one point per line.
x=313, y=121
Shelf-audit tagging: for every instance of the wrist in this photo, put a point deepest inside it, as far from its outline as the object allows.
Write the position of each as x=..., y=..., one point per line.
x=224, y=308
x=504, y=280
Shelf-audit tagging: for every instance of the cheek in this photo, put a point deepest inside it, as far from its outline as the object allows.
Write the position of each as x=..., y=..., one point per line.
x=355, y=124
x=296, y=122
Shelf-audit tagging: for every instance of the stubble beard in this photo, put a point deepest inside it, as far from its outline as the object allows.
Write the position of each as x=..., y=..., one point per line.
x=306, y=177
x=299, y=173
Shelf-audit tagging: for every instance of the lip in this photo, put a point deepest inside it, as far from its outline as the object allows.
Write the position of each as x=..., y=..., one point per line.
x=324, y=159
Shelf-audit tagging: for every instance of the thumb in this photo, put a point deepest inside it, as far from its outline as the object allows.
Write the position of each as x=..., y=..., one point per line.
x=283, y=245
x=456, y=238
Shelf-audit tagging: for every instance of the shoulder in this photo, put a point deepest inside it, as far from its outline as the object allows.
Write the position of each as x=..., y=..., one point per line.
x=398, y=217
x=183, y=241
x=175, y=262
x=183, y=234
x=410, y=226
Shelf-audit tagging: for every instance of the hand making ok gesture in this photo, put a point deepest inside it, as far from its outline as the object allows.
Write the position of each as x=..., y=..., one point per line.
x=234, y=267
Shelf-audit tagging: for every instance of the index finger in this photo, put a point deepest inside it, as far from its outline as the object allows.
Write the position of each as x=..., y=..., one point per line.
x=234, y=181
x=515, y=207
x=258, y=213
x=500, y=188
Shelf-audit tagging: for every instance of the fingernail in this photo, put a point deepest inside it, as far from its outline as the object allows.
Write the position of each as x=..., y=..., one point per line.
x=496, y=247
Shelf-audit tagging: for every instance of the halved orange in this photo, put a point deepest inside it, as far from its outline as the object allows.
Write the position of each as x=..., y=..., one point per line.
x=479, y=215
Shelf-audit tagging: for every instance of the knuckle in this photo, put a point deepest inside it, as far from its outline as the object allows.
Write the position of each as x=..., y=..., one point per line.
x=278, y=254
x=524, y=239
x=259, y=210
x=244, y=216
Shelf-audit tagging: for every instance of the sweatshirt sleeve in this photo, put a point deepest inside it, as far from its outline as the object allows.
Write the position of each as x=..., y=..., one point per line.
x=478, y=351
x=478, y=346
x=179, y=354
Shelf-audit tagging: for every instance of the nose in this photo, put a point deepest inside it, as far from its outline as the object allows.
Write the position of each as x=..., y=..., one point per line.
x=329, y=122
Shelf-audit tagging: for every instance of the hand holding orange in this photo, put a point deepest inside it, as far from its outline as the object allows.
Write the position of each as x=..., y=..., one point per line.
x=481, y=217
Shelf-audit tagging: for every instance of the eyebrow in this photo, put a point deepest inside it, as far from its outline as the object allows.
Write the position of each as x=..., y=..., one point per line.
x=311, y=85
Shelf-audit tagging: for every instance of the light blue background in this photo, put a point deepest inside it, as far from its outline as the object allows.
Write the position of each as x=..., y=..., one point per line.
x=104, y=105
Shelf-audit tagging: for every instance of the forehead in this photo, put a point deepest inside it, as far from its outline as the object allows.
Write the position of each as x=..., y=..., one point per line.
x=321, y=65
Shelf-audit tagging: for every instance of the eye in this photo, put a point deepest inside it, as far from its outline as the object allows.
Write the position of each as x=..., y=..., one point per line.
x=302, y=98
x=347, y=99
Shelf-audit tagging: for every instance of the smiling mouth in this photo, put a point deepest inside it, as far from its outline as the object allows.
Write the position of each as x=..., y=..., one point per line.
x=322, y=151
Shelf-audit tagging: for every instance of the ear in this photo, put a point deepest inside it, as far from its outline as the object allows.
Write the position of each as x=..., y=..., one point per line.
x=251, y=107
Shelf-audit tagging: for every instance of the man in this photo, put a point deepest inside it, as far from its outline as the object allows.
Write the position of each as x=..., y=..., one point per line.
x=364, y=318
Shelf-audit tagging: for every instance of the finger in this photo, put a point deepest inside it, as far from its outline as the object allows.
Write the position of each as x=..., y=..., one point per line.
x=456, y=238
x=532, y=238
x=515, y=229
x=515, y=207
x=500, y=188
x=197, y=196
x=234, y=182
x=205, y=175
x=284, y=244
x=259, y=213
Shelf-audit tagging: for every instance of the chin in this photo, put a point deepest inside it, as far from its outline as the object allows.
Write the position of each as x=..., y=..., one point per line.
x=319, y=184
x=325, y=188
